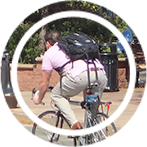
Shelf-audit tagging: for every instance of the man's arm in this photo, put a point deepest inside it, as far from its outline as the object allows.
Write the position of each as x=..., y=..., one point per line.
x=129, y=46
x=43, y=86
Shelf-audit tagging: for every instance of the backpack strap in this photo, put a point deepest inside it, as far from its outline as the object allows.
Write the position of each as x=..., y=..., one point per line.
x=60, y=71
x=96, y=75
x=88, y=73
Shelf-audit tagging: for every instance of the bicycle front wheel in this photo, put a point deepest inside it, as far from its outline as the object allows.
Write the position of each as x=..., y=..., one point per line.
x=104, y=130
x=52, y=118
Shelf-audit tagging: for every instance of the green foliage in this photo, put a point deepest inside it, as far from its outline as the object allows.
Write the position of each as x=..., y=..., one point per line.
x=122, y=23
x=80, y=18
x=120, y=54
x=106, y=49
x=78, y=15
x=103, y=35
x=22, y=42
x=64, y=16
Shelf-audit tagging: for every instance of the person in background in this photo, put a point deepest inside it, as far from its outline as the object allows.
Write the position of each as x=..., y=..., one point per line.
x=74, y=78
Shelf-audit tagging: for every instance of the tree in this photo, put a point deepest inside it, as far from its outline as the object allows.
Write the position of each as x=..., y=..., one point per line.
x=42, y=7
x=44, y=12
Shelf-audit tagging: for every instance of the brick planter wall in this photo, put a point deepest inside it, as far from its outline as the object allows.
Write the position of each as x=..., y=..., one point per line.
x=29, y=76
x=122, y=81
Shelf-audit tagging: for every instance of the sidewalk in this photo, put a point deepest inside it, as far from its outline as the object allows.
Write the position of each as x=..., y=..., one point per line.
x=115, y=97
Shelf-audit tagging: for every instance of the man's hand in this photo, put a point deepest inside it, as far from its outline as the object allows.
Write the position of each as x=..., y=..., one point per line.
x=35, y=98
x=39, y=95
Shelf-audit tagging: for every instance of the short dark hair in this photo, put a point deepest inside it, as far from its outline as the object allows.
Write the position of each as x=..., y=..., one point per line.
x=52, y=37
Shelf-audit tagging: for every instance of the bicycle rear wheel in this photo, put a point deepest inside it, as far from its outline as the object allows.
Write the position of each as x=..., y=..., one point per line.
x=105, y=131
x=52, y=118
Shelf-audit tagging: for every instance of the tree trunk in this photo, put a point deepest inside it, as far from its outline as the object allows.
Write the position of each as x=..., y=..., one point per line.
x=44, y=23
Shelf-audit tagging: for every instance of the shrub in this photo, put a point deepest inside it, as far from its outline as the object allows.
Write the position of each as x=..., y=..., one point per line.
x=21, y=41
x=121, y=23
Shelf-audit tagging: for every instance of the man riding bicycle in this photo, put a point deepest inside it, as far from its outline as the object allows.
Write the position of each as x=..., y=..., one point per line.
x=74, y=78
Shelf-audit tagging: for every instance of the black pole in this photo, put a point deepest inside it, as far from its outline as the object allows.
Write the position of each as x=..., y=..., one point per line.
x=3, y=68
x=6, y=82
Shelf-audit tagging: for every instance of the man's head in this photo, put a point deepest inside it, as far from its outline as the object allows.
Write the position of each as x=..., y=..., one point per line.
x=51, y=38
x=134, y=25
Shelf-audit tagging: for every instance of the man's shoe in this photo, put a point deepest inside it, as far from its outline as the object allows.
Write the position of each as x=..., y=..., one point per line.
x=75, y=128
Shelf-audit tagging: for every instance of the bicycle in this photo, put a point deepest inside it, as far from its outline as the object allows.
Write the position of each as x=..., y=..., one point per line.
x=57, y=119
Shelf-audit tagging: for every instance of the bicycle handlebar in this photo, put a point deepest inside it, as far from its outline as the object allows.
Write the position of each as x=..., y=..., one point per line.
x=34, y=92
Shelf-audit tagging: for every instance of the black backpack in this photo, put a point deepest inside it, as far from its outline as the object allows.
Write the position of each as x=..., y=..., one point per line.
x=79, y=46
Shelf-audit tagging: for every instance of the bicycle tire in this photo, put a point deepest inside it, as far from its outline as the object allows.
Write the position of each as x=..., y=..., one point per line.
x=50, y=117
x=110, y=137
x=101, y=134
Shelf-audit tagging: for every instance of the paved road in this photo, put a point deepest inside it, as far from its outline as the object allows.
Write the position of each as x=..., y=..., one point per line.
x=16, y=135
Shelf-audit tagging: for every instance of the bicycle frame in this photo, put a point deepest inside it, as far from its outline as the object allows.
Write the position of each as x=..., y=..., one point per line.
x=57, y=122
x=59, y=115
x=88, y=120
x=88, y=105
x=88, y=123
